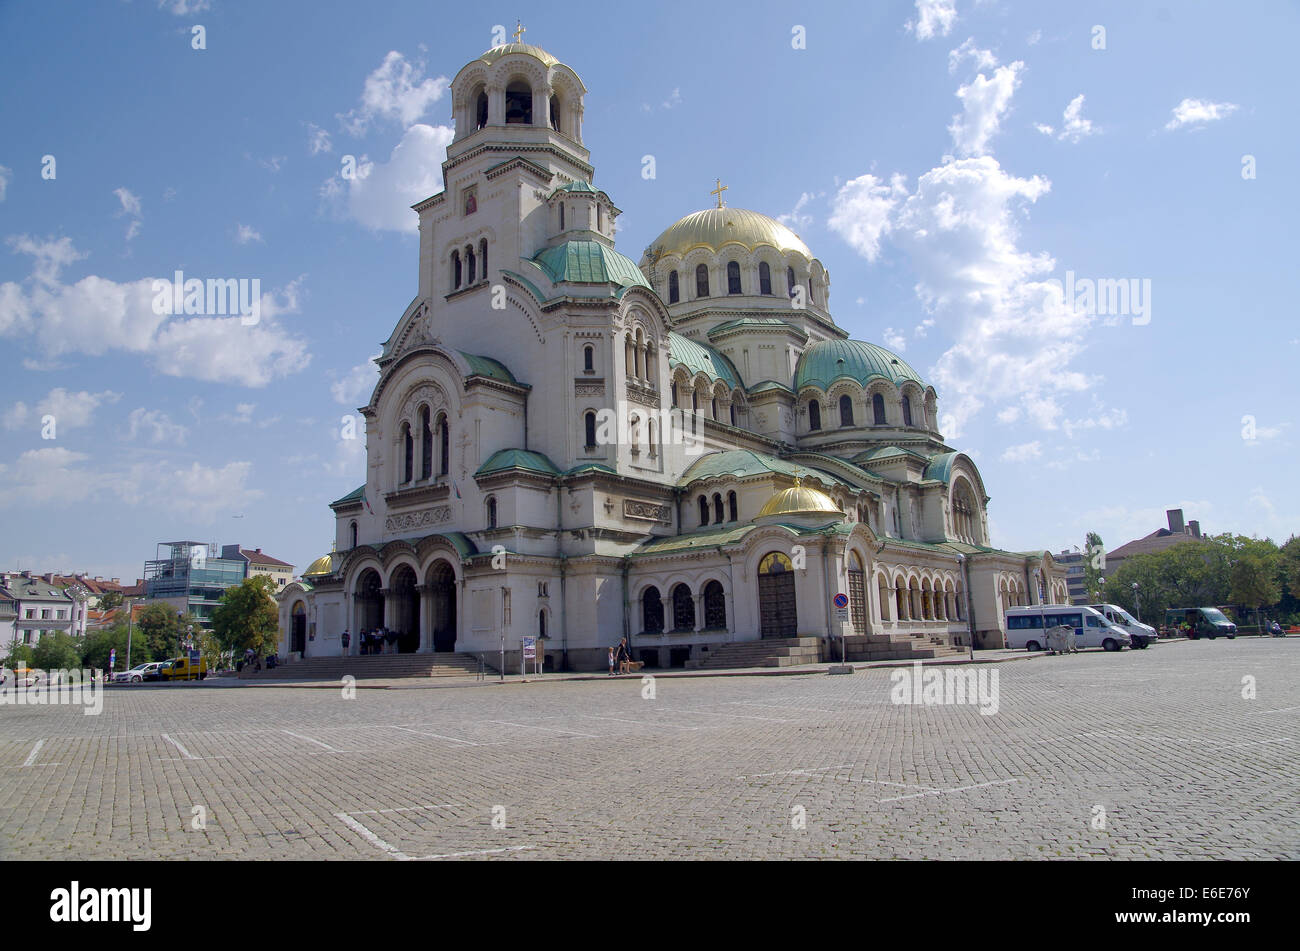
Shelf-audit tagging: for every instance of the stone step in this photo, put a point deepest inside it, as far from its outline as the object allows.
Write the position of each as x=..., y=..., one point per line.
x=395, y=665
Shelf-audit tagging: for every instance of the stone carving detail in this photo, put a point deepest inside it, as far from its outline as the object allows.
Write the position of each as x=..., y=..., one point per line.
x=425, y=392
x=433, y=516
x=643, y=395
x=588, y=389
x=650, y=510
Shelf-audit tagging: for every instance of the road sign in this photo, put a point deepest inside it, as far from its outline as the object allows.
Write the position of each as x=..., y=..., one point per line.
x=841, y=614
x=112, y=658
x=194, y=657
x=841, y=600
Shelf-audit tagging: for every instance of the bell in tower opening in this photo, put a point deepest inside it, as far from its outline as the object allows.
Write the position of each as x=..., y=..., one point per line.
x=519, y=104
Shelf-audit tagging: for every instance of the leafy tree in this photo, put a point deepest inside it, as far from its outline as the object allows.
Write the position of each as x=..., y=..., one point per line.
x=159, y=626
x=1255, y=574
x=98, y=646
x=110, y=599
x=1094, y=565
x=20, y=655
x=248, y=616
x=1290, y=565
x=57, y=650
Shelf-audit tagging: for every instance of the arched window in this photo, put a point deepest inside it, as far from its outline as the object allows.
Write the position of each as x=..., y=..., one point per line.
x=408, y=444
x=455, y=269
x=491, y=512
x=718, y=518
x=811, y=298
x=561, y=216
x=789, y=280
x=473, y=273
x=651, y=442
x=878, y=409
x=634, y=431
x=589, y=357
x=652, y=612
x=907, y=411
x=814, y=415
x=600, y=217
x=426, y=444
x=589, y=422
x=715, y=607
x=683, y=609
x=702, y=280
x=481, y=110
x=764, y=278
x=354, y=534
x=732, y=508
x=733, y=414
x=482, y=256
x=674, y=394
x=555, y=113
x=733, y=277
x=713, y=406
x=674, y=292
x=519, y=104
x=846, y=411
x=704, y=510
x=695, y=401
x=541, y=623
x=444, y=445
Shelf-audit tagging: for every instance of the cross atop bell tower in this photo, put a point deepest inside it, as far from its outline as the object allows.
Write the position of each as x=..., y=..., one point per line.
x=717, y=193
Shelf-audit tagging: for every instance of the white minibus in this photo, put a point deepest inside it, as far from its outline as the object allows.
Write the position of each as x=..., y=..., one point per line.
x=1142, y=634
x=1026, y=627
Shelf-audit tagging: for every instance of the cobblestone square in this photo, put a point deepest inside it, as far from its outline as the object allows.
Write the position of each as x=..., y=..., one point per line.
x=1153, y=754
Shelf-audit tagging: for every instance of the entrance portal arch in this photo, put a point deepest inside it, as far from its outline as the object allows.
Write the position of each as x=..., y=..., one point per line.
x=777, y=611
x=405, y=610
x=441, y=587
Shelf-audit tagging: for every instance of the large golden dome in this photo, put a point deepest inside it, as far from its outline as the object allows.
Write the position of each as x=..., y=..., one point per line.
x=714, y=227
x=321, y=566
x=800, y=500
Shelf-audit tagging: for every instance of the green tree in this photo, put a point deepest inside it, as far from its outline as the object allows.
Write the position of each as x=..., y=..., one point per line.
x=110, y=599
x=1094, y=565
x=1255, y=575
x=99, y=645
x=158, y=625
x=1290, y=565
x=248, y=616
x=57, y=650
x=20, y=655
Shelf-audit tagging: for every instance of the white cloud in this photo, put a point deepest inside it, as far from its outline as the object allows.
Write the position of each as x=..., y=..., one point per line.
x=6, y=176
x=983, y=59
x=1075, y=126
x=318, y=140
x=380, y=196
x=933, y=17
x=274, y=163
x=396, y=90
x=797, y=219
x=355, y=387
x=861, y=211
x=156, y=425
x=184, y=7
x=130, y=207
x=984, y=102
x=1101, y=418
x=1023, y=452
x=894, y=339
x=1199, y=112
x=70, y=410
x=1033, y=38
x=246, y=233
x=96, y=315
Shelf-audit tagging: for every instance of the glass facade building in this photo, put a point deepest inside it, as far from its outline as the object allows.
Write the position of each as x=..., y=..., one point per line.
x=185, y=573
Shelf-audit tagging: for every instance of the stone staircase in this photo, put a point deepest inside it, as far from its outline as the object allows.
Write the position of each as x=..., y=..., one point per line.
x=370, y=667
x=869, y=647
x=768, y=652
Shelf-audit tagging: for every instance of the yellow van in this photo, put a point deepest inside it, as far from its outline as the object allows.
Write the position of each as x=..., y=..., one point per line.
x=182, y=668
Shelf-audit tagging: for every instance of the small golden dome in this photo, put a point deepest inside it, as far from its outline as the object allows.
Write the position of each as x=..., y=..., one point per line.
x=714, y=227
x=528, y=49
x=800, y=501
x=321, y=566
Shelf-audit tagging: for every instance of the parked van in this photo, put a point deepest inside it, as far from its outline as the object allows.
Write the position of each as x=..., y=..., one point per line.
x=1027, y=626
x=1142, y=634
x=1203, y=622
x=183, y=668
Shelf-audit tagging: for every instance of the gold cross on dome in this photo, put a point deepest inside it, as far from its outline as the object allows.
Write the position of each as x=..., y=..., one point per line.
x=718, y=192
x=520, y=30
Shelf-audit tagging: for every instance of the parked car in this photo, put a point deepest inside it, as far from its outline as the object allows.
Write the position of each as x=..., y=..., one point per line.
x=1142, y=634
x=23, y=677
x=1200, y=622
x=183, y=669
x=138, y=673
x=1027, y=627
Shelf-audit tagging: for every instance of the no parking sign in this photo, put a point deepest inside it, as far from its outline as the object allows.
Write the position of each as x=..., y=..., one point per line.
x=841, y=602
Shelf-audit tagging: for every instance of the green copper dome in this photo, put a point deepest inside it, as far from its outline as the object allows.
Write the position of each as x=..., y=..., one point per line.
x=589, y=262
x=696, y=357
x=830, y=360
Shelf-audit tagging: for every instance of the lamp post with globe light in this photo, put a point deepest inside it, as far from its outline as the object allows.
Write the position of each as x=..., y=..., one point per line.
x=1137, y=602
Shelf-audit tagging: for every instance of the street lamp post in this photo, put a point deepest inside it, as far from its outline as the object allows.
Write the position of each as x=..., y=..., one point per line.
x=965, y=591
x=1137, y=602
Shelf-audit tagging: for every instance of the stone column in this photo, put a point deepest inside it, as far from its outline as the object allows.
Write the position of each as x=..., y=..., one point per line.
x=542, y=107
x=496, y=105
x=699, y=611
x=422, y=591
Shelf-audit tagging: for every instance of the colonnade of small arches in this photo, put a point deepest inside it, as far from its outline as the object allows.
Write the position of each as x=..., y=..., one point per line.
x=737, y=272
x=713, y=398
x=920, y=597
x=701, y=610
x=850, y=405
x=424, y=446
x=518, y=92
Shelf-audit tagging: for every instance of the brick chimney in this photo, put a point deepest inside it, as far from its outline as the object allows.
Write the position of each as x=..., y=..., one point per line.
x=1175, y=517
x=1195, y=526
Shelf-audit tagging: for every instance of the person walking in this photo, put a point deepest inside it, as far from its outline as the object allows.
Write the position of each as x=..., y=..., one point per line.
x=611, y=662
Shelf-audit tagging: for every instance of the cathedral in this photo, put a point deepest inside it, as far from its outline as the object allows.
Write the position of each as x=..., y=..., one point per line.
x=686, y=451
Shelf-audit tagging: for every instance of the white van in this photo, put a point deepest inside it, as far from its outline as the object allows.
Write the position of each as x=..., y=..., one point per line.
x=1026, y=627
x=1142, y=634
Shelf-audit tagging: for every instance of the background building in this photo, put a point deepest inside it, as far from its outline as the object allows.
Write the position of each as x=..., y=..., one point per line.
x=1159, y=540
x=188, y=576
x=42, y=607
x=258, y=564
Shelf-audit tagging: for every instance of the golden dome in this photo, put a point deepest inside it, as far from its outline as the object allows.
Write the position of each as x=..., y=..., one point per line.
x=714, y=227
x=800, y=501
x=494, y=54
x=321, y=566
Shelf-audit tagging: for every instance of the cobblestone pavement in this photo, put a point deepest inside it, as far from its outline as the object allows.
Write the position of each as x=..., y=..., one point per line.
x=1148, y=754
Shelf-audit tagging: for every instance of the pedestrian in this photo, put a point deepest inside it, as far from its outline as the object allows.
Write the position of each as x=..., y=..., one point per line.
x=611, y=662
x=346, y=639
x=622, y=656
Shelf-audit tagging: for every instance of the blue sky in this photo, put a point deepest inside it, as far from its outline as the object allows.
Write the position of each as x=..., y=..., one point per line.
x=946, y=160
